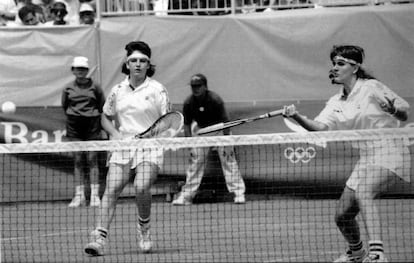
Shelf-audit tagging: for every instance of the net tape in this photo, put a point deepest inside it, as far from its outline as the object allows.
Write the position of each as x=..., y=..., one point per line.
x=318, y=138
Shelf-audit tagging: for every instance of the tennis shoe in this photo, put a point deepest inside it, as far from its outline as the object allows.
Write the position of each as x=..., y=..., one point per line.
x=181, y=200
x=239, y=199
x=352, y=256
x=144, y=238
x=77, y=201
x=97, y=244
x=375, y=257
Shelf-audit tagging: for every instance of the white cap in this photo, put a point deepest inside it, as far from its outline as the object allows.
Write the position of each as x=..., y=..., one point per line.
x=80, y=62
x=86, y=7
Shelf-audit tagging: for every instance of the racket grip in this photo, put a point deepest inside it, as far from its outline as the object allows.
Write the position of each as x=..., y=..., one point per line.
x=212, y=128
x=275, y=113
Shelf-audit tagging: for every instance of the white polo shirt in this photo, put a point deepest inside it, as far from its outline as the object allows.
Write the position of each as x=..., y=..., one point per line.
x=137, y=109
x=361, y=110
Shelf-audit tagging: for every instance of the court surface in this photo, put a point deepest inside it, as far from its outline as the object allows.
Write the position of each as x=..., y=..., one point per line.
x=269, y=228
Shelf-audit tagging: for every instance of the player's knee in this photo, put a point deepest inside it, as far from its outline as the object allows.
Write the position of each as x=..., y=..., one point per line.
x=112, y=191
x=365, y=194
x=142, y=188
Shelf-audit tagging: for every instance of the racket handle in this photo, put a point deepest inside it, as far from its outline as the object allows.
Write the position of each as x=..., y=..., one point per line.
x=274, y=113
x=212, y=128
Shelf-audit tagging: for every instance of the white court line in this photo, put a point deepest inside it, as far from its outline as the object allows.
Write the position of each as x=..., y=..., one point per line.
x=302, y=258
x=44, y=235
x=281, y=225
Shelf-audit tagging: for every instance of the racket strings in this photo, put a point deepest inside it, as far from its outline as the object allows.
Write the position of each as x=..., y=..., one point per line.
x=167, y=126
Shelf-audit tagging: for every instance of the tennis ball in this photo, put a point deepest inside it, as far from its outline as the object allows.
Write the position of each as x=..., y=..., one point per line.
x=8, y=107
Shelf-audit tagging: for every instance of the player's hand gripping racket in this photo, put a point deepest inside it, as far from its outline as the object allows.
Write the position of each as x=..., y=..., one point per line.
x=168, y=125
x=225, y=125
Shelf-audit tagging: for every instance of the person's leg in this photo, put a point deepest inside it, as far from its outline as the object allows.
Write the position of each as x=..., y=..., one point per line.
x=146, y=174
x=92, y=162
x=231, y=172
x=194, y=175
x=345, y=218
x=74, y=133
x=79, y=172
x=118, y=177
x=347, y=209
x=376, y=181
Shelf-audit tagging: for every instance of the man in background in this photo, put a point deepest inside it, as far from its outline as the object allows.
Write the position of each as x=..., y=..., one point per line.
x=204, y=107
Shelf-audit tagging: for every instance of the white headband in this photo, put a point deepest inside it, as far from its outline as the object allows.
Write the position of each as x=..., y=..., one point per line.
x=137, y=55
x=347, y=60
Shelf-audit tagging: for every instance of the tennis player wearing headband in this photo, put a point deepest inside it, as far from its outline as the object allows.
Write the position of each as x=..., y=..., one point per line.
x=136, y=103
x=362, y=103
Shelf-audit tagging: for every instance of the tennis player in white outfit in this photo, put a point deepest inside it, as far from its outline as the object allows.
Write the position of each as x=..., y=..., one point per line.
x=362, y=103
x=137, y=102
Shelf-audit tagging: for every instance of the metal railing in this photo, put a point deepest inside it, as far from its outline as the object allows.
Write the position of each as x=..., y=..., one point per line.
x=108, y=8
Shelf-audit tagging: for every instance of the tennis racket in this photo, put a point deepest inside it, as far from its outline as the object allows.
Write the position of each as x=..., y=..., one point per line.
x=168, y=125
x=225, y=125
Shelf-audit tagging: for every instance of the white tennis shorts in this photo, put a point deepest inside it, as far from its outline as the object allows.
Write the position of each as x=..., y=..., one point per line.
x=137, y=156
x=391, y=155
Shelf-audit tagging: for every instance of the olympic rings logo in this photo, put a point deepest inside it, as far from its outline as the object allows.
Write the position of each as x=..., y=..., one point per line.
x=300, y=154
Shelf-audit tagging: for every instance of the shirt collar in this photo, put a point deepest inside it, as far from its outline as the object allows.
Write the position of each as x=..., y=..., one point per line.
x=140, y=87
x=355, y=89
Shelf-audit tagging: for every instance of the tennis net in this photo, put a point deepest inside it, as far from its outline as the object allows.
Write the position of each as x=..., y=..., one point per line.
x=293, y=183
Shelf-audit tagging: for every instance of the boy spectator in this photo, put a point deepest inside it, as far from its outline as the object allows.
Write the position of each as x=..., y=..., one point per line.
x=86, y=14
x=82, y=102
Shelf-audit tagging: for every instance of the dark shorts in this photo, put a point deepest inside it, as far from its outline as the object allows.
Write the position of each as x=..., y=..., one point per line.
x=83, y=128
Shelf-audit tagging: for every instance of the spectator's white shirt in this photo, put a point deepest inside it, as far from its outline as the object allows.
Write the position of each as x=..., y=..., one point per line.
x=137, y=109
x=8, y=6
